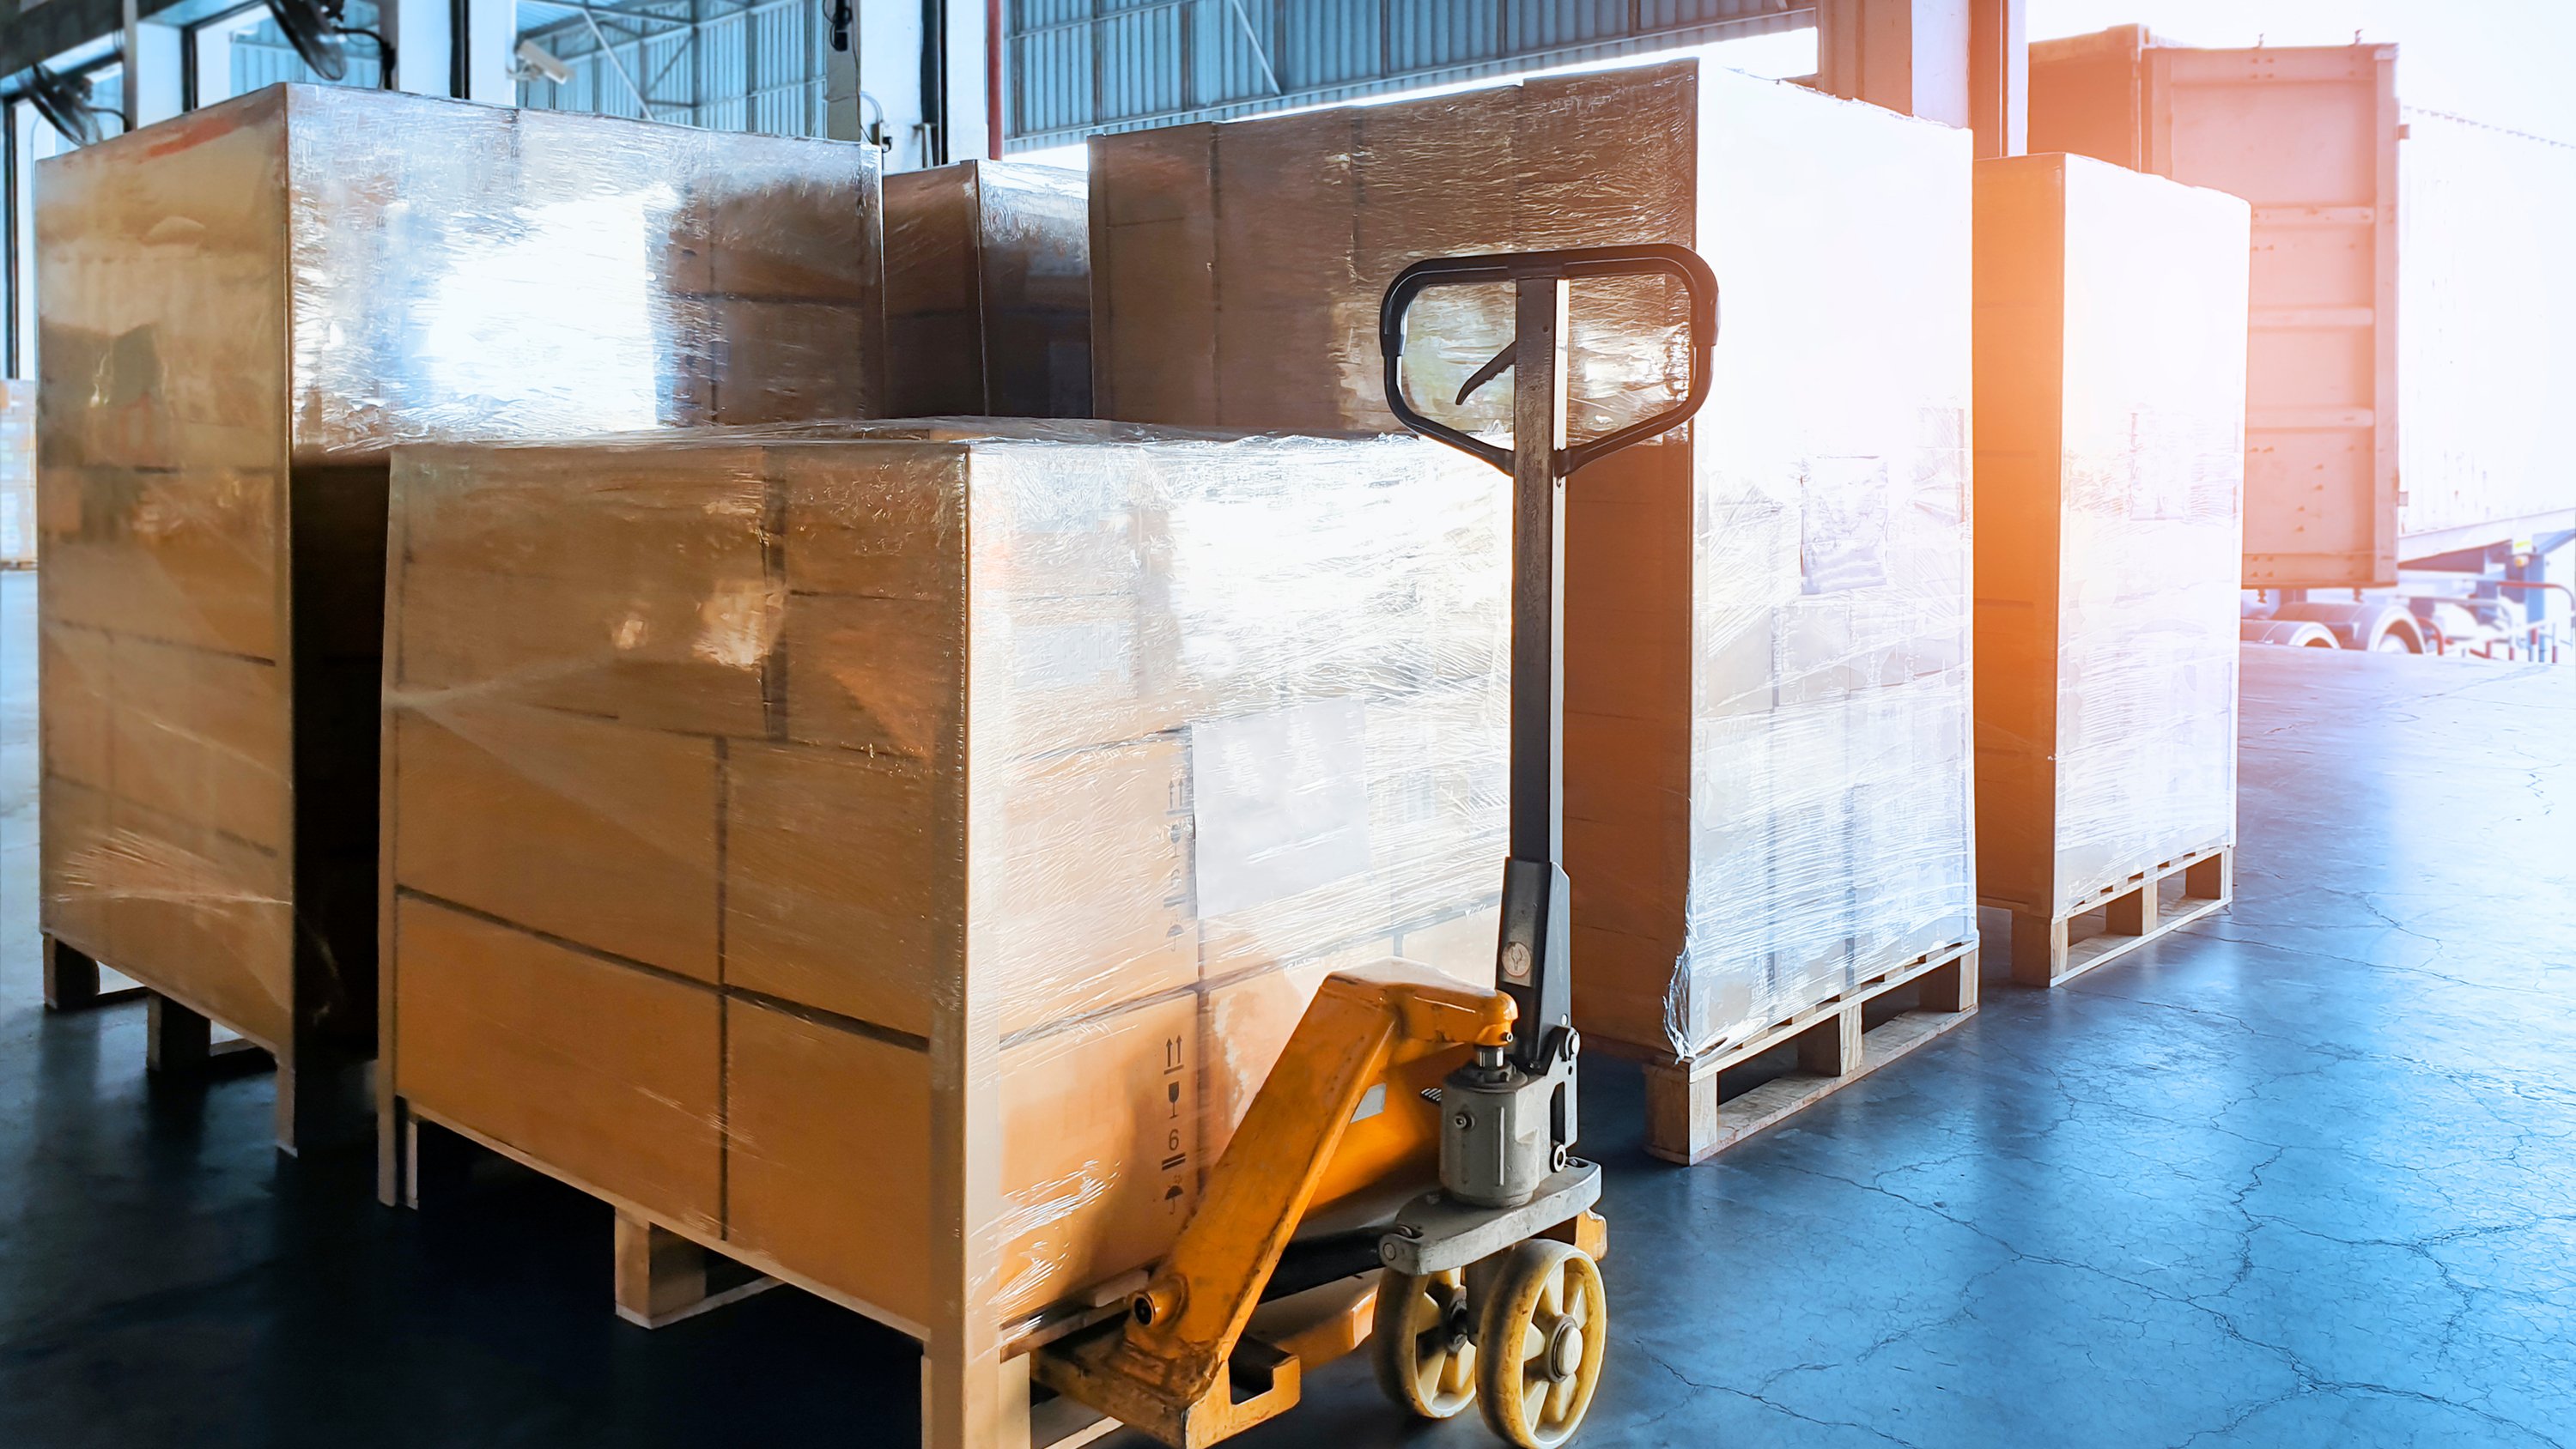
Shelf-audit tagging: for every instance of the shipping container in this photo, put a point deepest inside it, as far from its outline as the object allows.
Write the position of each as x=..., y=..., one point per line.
x=2411, y=323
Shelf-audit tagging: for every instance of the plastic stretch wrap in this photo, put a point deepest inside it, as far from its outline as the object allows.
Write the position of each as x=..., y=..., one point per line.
x=988, y=291
x=1767, y=740
x=2110, y=452
x=932, y=830
x=241, y=310
x=17, y=473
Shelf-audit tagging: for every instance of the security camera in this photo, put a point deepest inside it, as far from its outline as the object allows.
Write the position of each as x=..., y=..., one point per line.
x=536, y=62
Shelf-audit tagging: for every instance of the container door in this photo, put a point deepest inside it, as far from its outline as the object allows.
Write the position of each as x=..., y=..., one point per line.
x=2309, y=137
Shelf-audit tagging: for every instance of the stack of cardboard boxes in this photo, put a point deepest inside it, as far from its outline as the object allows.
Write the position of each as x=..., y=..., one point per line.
x=243, y=309
x=1767, y=729
x=894, y=861
x=2111, y=367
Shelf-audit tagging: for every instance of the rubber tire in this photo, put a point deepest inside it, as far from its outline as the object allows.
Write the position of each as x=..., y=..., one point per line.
x=1540, y=1280
x=1396, y=1338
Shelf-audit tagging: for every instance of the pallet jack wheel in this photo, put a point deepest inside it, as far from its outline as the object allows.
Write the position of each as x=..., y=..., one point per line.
x=1546, y=1327
x=1426, y=1359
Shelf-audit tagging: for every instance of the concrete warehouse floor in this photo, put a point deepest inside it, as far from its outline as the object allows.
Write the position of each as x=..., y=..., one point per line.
x=2299, y=1175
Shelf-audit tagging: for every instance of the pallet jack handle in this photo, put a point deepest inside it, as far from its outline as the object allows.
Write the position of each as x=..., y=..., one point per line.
x=1532, y=954
x=1570, y=265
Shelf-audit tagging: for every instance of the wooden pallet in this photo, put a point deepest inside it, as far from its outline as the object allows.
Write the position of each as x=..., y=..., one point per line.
x=663, y=1274
x=2052, y=950
x=71, y=980
x=1691, y=1118
x=178, y=1039
x=317, y=1106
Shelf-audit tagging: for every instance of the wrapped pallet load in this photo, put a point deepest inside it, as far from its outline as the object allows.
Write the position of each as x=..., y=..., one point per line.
x=921, y=841
x=17, y=474
x=242, y=310
x=1767, y=757
x=988, y=292
x=2111, y=375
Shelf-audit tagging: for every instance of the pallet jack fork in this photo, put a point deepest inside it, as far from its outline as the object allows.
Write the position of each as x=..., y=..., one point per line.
x=1486, y=1288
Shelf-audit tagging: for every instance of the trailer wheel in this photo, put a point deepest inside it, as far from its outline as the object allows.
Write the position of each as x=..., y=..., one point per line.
x=2297, y=634
x=2379, y=626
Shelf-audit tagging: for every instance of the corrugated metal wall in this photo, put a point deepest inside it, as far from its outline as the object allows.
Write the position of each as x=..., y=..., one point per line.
x=1080, y=66
x=725, y=66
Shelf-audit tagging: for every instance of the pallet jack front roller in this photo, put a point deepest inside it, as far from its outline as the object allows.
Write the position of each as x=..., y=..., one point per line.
x=1415, y=1124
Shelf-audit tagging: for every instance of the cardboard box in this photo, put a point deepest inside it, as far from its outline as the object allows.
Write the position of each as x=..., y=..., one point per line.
x=826, y=865
x=2111, y=376
x=76, y=666
x=1740, y=598
x=611, y=1075
x=571, y=826
x=988, y=291
x=173, y=889
x=201, y=737
x=837, y=1195
x=244, y=309
x=1099, y=1128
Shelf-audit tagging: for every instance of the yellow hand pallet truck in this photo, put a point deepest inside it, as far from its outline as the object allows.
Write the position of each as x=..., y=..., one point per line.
x=1398, y=1078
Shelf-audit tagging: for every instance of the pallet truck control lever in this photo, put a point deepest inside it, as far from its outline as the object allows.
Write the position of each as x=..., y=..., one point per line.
x=1487, y=1290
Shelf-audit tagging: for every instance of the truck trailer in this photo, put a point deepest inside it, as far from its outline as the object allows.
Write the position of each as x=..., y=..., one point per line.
x=2411, y=344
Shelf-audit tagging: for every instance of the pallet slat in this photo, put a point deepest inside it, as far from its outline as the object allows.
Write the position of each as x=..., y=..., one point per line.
x=2047, y=950
x=1689, y=1119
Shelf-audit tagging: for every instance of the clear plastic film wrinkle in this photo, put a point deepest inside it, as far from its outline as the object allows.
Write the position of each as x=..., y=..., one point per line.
x=241, y=311
x=1767, y=731
x=1082, y=749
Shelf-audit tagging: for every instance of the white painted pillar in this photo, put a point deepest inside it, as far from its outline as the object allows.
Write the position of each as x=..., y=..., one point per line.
x=422, y=33
x=428, y=46
x=214, y=63
x=969, y=134
x=491, y=38
x=888, y=69
x=153, y=85
x=886, y=64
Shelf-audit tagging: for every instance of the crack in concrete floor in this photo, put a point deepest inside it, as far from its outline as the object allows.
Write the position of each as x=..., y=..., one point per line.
x=2447, y=1146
